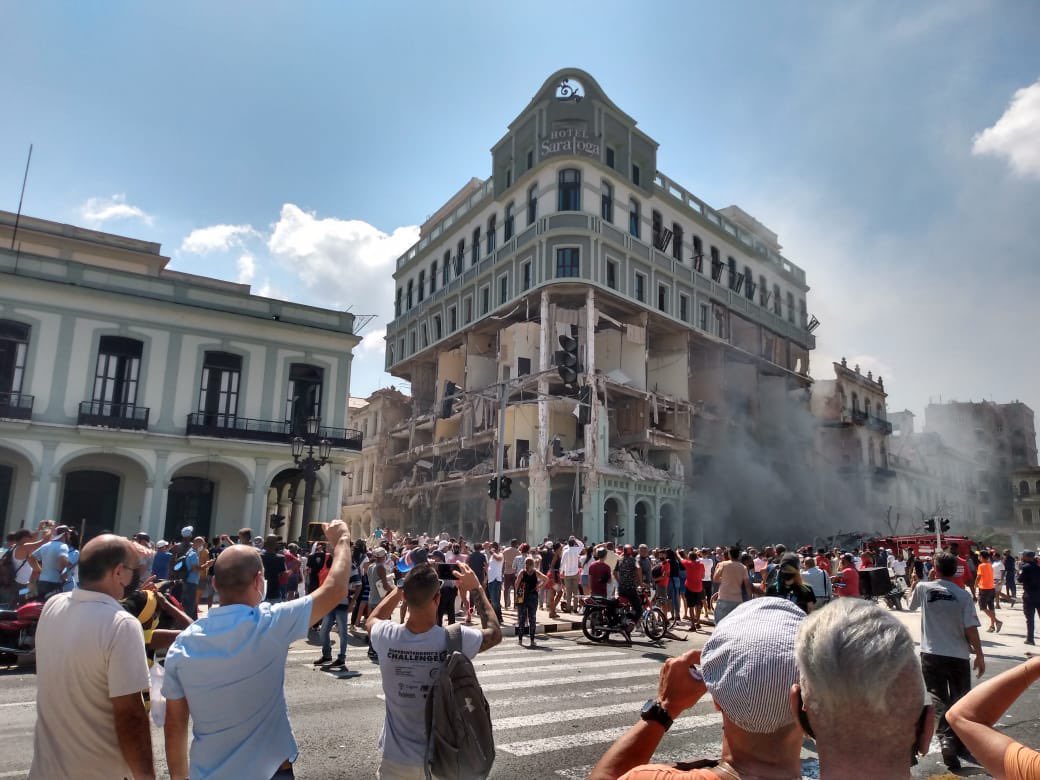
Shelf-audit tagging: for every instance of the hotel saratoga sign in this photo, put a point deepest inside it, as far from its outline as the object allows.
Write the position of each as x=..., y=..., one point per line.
x=570, y=139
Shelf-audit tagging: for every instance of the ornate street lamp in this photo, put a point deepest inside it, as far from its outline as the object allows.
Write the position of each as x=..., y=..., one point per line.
x=310, y=464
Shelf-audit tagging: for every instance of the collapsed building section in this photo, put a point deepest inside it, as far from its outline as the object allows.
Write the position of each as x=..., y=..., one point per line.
x=634, y=354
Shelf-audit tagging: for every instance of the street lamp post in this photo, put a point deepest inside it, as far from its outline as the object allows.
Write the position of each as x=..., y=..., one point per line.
x=309, y=464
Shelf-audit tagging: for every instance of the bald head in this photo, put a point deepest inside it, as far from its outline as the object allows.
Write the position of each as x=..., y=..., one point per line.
x=236, y=568
x=102, y=554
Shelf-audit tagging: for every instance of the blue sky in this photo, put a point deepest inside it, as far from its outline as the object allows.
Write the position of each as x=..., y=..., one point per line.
x=895, y=148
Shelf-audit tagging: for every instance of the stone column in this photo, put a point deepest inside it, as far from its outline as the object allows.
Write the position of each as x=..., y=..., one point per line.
x=41, y=502
x=155, y=501
x=262, y=509
x=537, y=472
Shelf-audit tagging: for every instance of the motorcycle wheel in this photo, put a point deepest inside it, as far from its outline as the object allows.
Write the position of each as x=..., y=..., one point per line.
x=592, y=626
x=654, y=623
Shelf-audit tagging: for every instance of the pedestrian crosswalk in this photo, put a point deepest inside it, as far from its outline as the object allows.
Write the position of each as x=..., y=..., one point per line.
x=556, y=708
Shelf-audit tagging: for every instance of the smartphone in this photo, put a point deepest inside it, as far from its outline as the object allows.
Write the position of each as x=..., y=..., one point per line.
x=445, y=571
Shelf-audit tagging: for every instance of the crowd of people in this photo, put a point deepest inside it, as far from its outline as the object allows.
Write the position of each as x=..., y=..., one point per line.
x=781, y=661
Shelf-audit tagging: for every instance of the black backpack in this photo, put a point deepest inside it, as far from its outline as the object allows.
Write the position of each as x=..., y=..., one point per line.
x=460, y=741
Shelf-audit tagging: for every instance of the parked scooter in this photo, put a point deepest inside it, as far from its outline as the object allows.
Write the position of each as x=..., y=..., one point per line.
x=604, y=617
x=18, y=633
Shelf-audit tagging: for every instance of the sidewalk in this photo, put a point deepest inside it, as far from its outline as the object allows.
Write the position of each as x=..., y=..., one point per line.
x=1009, y=644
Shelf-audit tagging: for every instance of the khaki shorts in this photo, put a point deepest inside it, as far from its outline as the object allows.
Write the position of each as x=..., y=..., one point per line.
x=391, y=770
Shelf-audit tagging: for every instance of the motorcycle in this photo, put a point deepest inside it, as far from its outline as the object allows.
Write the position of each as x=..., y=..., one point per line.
x=604, y=617
x=18, y=633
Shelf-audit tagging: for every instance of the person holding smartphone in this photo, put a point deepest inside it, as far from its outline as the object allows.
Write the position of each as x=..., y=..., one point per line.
x=449, y=587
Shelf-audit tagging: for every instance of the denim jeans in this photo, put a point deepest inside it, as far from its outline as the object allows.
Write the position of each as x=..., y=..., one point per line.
x=675, y=587
x=494, y=591
x=341, y=617
x=446, y=607
x=527, y=615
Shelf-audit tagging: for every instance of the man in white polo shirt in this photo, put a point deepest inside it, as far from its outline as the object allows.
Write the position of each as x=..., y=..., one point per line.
x=91, y=668
x=227, y=670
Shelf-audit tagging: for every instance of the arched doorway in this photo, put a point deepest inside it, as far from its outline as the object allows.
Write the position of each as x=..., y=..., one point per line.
x=90, y=501
x=6, y=491
x=189, y=502
x=641, y=532
x=669, y=527
x=611, y=516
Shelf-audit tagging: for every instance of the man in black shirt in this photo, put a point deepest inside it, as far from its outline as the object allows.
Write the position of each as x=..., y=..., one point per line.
x=1029, y=578
x=478, y=562
x=274, y=565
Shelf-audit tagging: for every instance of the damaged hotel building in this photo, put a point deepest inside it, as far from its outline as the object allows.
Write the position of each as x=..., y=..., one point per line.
x=689, y=327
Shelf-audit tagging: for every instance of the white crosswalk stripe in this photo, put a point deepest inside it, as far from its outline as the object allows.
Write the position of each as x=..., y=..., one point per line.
x=564, y=741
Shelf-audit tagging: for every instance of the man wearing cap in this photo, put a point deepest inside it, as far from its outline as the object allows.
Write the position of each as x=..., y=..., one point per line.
x=860, y=692
x=748, y=666
x=1029, y=578
x=161, y=561
x=410, y=656
x=51, y=561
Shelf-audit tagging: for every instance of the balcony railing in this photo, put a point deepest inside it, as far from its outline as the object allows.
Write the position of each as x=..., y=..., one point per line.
x=223, y=426
x=879, y=425
x=859, y=417
x=109, y=415
x=16, y=406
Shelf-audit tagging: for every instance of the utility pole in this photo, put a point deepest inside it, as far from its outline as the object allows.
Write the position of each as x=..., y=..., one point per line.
x=500, y=452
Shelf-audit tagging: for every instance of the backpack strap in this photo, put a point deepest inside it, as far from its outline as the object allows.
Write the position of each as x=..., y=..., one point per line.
x=454, y=632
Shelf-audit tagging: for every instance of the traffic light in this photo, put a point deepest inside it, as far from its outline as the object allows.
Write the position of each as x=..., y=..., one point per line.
x=944, y=524
x=617, y=531
x=277, y=521
x=493, y=487
x=929, y=525
x=567, y=360
x=505, y=488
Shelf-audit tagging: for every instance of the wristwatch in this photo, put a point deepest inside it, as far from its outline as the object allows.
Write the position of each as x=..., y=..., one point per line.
x=653, y=711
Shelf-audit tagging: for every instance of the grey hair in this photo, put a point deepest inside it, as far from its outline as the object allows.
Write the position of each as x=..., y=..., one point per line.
x=853, y=652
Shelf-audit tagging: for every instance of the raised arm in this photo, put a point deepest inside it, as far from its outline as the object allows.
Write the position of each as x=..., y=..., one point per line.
x=491, y=630
x=973, y=716
x=331, y=592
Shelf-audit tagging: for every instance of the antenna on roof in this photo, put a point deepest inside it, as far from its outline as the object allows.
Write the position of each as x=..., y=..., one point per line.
x=18, y=216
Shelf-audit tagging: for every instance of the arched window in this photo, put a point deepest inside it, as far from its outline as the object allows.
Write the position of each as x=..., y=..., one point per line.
x=855, y=402
x=14, y=344
x=532, y=204
x=569, y=191
x=633, y=217
x=507, y=224
x=118, y=367
x=492, y=226
x=1023, y=489
x=606, y=209
x=304, y=397
x=866, y=406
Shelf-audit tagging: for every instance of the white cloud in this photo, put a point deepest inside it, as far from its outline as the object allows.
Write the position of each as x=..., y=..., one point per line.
x=246, y=268
x=373, y=343
x=217, y=238
x=1016, y=135
x=97, y=211
x=344, y=263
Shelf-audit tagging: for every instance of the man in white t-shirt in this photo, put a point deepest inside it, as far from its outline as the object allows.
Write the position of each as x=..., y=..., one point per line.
x=496, y=562
x=570, y=565
x=611, y=560
x=91, y=668
x=410, y=657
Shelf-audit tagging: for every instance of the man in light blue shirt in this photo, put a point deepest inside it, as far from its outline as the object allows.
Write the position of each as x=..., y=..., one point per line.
x=227, y=671
x=190, y=589
x=52, y=559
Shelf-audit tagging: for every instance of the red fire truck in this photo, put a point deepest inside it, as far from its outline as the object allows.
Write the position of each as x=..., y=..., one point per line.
x=921, y=545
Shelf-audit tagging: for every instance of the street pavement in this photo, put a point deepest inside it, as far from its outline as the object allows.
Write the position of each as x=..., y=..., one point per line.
x=556, y=708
